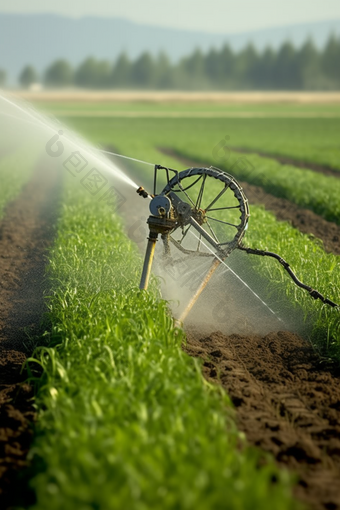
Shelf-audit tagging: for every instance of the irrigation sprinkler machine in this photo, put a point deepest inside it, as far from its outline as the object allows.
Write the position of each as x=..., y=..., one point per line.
x=203, y=212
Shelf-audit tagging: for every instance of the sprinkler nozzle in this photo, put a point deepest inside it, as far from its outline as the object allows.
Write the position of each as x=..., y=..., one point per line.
x=142, y=192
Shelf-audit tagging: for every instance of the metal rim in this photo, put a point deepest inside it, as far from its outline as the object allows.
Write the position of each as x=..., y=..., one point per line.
x=177, y=185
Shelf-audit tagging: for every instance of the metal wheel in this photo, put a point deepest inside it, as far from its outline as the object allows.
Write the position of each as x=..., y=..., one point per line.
x=218, y=205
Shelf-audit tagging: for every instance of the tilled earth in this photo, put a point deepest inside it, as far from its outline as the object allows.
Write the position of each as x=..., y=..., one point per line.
x=286, y=398
x=26, y=232
x=287, y=402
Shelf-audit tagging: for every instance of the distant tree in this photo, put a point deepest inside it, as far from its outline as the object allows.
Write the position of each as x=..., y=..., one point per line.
x=93, y=74
x=28, y=76
x=121, y=72
x=286, y=68
x=143, y=72
x=246, y=66
x=194, y=67
x=228, y=61
x=163, y=72
x=212, y=67
x=3, y=77
x=59, y=74
x=195, y=63
x=331, y=60
x=192, y=72
x=264, y=74
x=308, y=66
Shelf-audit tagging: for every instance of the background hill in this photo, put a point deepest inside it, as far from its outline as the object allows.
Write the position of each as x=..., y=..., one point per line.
x=38, y=39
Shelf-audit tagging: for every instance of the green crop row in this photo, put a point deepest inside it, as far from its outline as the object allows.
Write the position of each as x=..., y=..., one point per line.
x=125, y=418
x=313, y=140
x=309, y=140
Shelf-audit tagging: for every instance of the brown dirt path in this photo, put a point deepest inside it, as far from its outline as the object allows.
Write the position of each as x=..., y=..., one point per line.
x=304, y=220
x=287, y=401
x=25, y=235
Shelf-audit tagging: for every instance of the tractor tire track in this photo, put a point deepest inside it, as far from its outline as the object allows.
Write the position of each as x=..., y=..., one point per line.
x=302, y=219
x=26, y=233
x=287, y=402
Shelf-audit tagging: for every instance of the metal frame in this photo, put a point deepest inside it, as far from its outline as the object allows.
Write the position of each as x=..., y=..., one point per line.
x=183, y=216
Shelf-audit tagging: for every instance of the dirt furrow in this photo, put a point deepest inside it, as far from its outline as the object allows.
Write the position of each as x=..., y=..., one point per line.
x=26, y=232
x=304, y=220
x=287, y=402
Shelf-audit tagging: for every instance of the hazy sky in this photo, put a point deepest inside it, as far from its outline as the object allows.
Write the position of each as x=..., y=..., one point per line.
x=208, y=15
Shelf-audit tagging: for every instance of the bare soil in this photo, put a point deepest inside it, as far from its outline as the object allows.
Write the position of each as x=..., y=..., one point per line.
x=26, y=232
x=287, y=402
x=304, y=220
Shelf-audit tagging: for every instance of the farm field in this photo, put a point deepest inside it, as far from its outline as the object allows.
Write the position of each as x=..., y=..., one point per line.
x=300, y=186
x=111, y=354
x=119, y=365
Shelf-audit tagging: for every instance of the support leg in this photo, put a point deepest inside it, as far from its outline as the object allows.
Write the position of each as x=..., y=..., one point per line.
x=198, y=292
x=150, y=251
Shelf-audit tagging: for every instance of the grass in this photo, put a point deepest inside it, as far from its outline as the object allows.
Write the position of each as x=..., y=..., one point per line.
x=300, y=131
x=126, y=419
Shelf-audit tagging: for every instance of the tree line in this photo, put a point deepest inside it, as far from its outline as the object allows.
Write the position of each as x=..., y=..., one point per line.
x=287, y=68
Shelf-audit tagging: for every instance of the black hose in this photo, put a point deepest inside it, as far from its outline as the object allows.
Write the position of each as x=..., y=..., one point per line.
x=312, y=292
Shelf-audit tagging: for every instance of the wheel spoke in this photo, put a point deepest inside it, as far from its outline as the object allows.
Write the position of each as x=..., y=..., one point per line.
x=185, y=233
x=205, y=194
x=185, y=193
x=218, y=197
x=212, y=231
x=224, y=208
x=220, y=221
x=200, y=194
